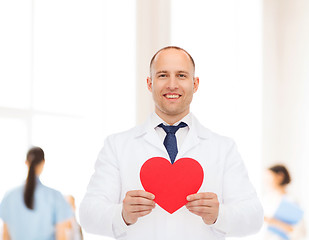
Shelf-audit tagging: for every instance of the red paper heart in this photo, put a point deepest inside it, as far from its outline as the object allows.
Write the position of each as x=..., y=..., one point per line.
x=171, y=183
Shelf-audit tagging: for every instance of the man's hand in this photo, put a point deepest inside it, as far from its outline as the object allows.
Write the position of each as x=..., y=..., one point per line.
x=205, y=205
x=137, y=203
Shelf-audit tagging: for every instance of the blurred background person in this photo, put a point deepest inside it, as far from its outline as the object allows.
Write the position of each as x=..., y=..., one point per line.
x=73, y=230
x=34, y=211
x=283, y=215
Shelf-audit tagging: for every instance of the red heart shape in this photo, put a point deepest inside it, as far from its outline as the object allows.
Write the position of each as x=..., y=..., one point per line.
x=171, y=183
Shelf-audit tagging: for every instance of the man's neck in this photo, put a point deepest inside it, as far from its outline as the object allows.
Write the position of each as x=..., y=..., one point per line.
x=171, y=119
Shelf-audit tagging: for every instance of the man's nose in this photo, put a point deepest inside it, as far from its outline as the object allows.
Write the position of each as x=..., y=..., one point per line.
x=173, y=82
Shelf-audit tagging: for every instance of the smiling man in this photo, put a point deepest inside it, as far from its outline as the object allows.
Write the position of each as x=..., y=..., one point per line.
x=116, y=205
x=172, y=83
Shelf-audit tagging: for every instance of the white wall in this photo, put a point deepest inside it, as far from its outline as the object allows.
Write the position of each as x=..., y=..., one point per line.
x=286, y=89
x=67, y=80
x=152, y=33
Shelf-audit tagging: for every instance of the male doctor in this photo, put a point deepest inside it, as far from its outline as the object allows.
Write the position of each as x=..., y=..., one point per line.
x=116, y=205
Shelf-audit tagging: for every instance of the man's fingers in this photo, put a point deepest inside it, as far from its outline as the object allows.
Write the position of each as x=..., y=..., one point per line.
x=142, y=201
x=205, y=205
x=209, y=218
x=202, y=195
x=131, y=217
x=141, y=193
x=141, y=208
x=201, y=202
x=142, y=213
x=138, y=201
x=201, y=209
x=198, y=213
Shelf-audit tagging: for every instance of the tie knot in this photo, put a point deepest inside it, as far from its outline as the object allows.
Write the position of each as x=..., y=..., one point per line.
x=172, y=129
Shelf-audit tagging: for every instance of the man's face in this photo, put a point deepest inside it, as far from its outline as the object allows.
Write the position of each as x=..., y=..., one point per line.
x=172, y=83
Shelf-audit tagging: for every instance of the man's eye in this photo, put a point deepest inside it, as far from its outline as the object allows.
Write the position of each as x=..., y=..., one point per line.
x=182, y=75
x=162, y=75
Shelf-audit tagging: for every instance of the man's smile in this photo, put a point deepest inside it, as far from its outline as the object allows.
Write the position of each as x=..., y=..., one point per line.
x=172, y=95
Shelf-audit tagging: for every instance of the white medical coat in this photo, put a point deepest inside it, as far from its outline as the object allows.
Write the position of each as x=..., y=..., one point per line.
x=117, y=171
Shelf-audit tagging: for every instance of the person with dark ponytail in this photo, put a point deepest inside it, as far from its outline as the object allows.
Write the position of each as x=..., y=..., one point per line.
x=34, y=211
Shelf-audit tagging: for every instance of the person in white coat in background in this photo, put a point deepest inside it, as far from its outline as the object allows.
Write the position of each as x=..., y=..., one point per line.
x=115, y=203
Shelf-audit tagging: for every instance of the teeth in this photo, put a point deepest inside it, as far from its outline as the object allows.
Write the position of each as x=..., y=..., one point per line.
x=172, y=96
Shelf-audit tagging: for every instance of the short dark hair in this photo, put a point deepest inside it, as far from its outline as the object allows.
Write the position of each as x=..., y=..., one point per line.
x=281, y=169
x=171, y=47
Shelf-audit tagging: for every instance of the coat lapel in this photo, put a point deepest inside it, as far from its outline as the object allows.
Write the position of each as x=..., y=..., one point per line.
x=195, y=135
x=152, y=138
x=149, y=134
x=190, y=142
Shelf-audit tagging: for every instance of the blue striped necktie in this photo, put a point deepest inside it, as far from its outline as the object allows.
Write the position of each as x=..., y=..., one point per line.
x=170, y=141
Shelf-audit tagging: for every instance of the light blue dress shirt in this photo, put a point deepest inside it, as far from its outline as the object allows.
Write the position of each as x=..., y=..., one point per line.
x=50, y=208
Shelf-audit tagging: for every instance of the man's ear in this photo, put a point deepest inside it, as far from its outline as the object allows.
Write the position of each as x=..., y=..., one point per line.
x=196, y=83
x=149, y=84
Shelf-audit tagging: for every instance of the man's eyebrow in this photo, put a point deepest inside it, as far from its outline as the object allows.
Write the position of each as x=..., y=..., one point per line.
x=162, y=71
x=181, y=71
x=178, y=72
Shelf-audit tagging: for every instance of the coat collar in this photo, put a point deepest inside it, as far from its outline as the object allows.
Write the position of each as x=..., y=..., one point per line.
x=148, y=132
x=195, y=134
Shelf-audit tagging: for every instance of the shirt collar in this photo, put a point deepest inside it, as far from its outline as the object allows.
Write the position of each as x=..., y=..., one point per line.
x=155, y=120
